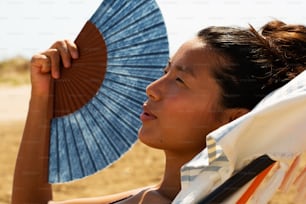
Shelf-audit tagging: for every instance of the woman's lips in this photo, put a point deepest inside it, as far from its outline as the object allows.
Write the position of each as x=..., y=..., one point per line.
x=146, y=115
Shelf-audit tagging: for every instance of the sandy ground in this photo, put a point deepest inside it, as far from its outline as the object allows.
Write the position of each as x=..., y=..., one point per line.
x=141, y=166
x=14, y=102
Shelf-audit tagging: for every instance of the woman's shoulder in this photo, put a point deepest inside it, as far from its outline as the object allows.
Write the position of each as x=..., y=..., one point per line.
x=108, y=199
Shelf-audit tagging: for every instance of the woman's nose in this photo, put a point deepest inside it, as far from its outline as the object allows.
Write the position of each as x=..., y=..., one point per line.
x=153, y=90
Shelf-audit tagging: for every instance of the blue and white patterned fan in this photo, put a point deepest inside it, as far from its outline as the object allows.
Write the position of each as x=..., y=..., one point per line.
x=123, y=48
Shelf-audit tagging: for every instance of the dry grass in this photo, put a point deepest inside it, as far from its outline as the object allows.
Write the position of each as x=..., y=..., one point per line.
x=14, y=71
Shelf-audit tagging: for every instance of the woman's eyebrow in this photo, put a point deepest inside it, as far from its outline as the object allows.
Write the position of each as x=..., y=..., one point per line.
x=169, y=62
x=186, y=70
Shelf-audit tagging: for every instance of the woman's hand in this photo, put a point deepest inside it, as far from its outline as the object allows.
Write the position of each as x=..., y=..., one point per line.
x=47, y=64
x=31, y=171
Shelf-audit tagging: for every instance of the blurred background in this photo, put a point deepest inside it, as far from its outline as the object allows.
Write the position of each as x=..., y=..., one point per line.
x=28, y=27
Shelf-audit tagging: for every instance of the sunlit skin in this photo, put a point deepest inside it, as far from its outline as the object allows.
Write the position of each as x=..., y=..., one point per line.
x=183, y=105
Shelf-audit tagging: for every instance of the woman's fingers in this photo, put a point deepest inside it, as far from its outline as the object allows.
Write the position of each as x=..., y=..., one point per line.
x=50, y=60
x=53, y=56
x=63, y=51
x=67, y=50
x=47, y=62
x=41, y=63
x=73, y=50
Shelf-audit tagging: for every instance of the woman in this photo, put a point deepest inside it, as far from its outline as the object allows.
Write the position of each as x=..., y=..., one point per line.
x=212, y=79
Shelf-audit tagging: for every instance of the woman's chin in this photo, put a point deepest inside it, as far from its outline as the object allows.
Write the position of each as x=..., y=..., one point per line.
x=147, y=138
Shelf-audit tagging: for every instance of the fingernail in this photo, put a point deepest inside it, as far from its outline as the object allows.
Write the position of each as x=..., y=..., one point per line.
x=75, y=55
x=67, y=65
x=56, y=75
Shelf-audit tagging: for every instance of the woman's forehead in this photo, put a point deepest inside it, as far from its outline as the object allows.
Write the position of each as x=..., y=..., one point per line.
x=194, y=54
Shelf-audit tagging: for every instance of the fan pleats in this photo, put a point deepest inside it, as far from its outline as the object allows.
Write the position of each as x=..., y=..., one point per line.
x=104, y=119
x=80, y=83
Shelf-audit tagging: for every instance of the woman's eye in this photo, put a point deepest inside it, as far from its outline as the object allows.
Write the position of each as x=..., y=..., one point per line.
x=179, y=80
x=165, y=71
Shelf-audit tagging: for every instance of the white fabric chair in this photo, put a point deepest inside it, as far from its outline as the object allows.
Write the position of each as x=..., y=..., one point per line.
x=275, y=127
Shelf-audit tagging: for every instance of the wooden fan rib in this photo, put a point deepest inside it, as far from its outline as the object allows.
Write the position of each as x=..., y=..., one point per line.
x=90, y=57
x=93, y=51
x=87, y=70
x=92, y=46
x=85, y=79
x=62, y=105
x=90, y=40
x=89, y=37
x=65, y=99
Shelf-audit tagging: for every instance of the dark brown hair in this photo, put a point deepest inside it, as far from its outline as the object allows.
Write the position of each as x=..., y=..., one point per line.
x=257, y=62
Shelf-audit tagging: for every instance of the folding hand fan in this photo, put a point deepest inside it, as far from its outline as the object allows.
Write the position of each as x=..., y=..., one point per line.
x=123, y=47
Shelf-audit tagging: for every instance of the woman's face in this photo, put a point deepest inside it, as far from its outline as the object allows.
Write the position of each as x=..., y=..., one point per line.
x=183, y=105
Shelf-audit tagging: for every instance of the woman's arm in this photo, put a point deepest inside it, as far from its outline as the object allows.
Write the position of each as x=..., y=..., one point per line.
x=31, y=171
x=123, y=197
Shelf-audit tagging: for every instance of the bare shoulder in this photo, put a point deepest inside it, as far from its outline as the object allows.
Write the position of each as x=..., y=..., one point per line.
x=148, y=196
x=102, y=199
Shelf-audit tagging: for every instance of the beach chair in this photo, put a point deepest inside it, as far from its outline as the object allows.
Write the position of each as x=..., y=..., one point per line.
x=249, y=159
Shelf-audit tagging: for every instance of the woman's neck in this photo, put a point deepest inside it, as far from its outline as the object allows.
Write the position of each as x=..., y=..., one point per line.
x=171, y=182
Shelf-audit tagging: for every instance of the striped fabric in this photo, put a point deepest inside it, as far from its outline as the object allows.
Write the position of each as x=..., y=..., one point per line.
x=275, y=127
